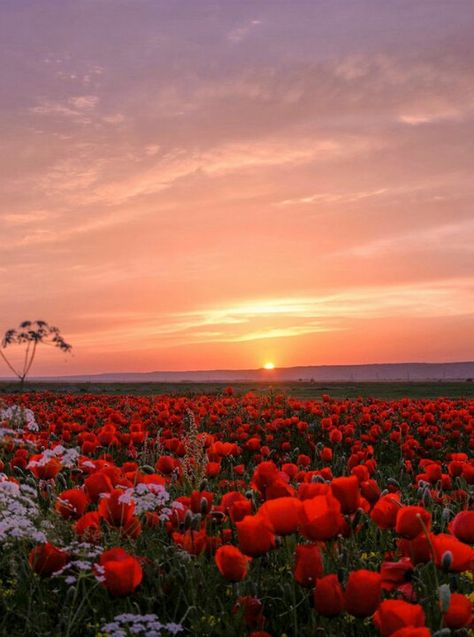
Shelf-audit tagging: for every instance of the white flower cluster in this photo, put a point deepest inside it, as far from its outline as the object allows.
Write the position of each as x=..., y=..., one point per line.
x=149, y=497
x=19, y=512
x=85, y=554
x=11, y=434
x=84, y=550
x=72, y=569
x=19, y=417
x=67, y=457
x=129, y=624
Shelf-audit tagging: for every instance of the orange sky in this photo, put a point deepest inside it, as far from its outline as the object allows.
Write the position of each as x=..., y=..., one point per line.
x=216, y=184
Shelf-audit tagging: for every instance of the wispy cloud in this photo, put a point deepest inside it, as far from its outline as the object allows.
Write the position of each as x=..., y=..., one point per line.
x=455, y=236
x=328, y=197
x=276, y=318
x=239, y=34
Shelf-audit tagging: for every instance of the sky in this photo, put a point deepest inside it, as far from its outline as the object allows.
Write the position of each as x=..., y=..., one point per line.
x=219, y=184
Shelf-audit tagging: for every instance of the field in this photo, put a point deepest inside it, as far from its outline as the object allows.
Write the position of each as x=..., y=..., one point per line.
x=294, y=510
x=302, y=390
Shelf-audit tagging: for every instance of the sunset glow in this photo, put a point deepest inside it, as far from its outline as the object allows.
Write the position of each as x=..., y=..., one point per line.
x=216, y=184
x=269, y=366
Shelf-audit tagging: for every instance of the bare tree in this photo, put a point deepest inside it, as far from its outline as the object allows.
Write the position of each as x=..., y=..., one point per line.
x=30, y=334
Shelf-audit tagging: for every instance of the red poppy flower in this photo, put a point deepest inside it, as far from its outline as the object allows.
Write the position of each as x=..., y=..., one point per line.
x=393, y=614
x=167, y=464
x=418, y=549
x=459, y=613
x=385, y=511
x=462, y=526
x=308, y=565
x=197, y=505
x=252, y=609
x=88, y=527
x=362, y=594
x=370, y=490
x=122, y=572
x=395, y=574
x=347, y=491
x=264, y=475
x=283, y=514
x=46, y=559
x=412, y=631
x=328, y=596
x=255, y=536
x=44, y=470
x=231, y=562
x=321, y=517
x=193, y=542
x=411, y=521
x=451, y=554
x=116, y=509
x=96, y=484
x=71, y=503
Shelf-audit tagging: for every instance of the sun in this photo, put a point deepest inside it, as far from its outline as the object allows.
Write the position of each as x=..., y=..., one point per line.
x=269, y=366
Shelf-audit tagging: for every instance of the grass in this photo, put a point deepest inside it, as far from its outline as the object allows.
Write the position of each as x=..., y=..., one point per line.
x=301, y=390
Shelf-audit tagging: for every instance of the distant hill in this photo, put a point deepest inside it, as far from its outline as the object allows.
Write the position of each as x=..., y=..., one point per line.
x=318, y=373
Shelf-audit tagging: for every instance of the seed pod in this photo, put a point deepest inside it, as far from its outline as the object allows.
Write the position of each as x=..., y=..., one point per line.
x=444, y=593
x=188, y=520
x=454, y=582
x=204, y=506
x=196, y=522
x=446, y=514
x=446, y=560
x=61, y=481
x=426, y=498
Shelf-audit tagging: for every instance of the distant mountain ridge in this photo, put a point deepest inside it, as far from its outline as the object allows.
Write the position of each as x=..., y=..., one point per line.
x=317, y=373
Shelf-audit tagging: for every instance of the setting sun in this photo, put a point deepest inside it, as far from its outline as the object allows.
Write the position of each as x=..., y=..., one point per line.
x=269, y=366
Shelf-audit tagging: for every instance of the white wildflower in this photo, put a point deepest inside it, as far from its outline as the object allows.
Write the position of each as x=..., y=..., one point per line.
x=19, y=513
x=19, y=418
x=128, y=624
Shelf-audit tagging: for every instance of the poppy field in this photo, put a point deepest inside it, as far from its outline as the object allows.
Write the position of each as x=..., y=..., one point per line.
x=258, y=515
